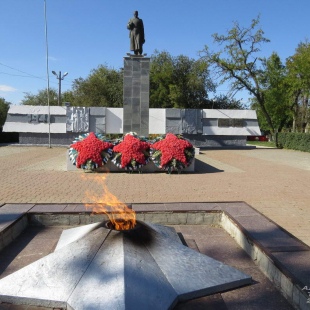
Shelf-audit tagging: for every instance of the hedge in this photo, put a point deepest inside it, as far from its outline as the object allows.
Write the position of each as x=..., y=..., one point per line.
x=294, y=140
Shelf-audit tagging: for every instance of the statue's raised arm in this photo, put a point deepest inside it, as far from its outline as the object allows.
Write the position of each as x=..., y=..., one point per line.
x=136, y=34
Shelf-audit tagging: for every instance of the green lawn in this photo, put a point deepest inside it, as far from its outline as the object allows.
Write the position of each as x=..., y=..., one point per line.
x=262, y=143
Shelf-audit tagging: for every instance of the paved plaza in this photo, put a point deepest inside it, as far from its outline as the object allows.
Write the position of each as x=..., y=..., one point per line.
x=275, y=182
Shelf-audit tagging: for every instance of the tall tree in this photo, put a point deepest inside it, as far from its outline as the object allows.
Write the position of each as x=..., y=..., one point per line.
x=298, y=67
x=239, y=63
x=4, y=107
x=161, y=77
x=178, y=82
x=275, y=91
x=41, y=98
x=102, y=88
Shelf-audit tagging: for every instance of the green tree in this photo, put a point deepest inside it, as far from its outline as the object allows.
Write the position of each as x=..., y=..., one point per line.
x=224, y=102
x=238, y=63
x=161, y=77
x=102, y=88
x=275, y=91
x=4, y=108
x=68, y=96
x=298, y=80
x=178, y=82
x=41, y=98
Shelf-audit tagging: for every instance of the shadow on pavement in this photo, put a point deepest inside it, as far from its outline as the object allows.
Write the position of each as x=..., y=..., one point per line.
x=202, y=167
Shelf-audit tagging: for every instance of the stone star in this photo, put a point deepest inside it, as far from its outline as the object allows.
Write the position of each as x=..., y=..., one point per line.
x=95, y=268
x=90, y=149
x=172, y=148
x=131, y=148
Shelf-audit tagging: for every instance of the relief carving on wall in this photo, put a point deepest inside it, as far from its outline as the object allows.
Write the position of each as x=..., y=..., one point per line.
x=77, y=119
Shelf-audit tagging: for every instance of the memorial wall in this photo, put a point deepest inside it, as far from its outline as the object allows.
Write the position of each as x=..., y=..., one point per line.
x=203, y=128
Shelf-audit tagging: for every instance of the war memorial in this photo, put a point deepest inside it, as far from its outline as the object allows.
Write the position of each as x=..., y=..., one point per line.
x=114, y=255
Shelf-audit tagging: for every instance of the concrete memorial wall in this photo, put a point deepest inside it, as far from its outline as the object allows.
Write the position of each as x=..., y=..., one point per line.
x=215, y=128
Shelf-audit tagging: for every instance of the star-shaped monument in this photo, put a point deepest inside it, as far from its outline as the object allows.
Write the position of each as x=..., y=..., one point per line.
x=132, y=148
x=95, y=268
x=172, y=148
x=90, y=149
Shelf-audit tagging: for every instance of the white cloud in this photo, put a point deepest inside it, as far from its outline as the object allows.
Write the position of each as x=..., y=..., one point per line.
x=6, y=88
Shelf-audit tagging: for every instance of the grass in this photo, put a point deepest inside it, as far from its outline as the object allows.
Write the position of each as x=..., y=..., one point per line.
x=262, y=143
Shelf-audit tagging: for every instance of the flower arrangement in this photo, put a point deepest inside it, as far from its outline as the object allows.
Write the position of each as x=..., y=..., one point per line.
x=131, y=153
x=90, y=151
x=172, y=153
x=168, y=152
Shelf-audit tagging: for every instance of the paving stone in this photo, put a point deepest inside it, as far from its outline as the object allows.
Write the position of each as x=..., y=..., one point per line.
x=195, y=206
x=81, y=208
x=297, y=263
x=216, y=243
x=147, y=207
x=69, y=208
x=213, y=302
x=267, y=233
x=238, y=209
x=47, y=208
x=203, y=232
x=33, y=244
x=256, y=297
x=15, y=208
x=9, y=213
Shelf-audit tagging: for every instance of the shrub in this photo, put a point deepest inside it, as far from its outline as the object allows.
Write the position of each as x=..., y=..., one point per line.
x=294, y=140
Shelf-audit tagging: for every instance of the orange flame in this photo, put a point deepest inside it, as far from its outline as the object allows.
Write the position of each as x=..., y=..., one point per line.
x=120, y=215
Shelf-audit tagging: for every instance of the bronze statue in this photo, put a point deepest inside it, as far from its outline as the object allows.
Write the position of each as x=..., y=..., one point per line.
x=136, y=34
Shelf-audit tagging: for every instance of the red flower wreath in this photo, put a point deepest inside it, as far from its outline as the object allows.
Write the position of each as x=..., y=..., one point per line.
x=172, y=153
x=131, y=153
x=90, y=149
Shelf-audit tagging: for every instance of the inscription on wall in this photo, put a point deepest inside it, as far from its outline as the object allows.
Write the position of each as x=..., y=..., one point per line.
x=230, y=122
x=37, y=118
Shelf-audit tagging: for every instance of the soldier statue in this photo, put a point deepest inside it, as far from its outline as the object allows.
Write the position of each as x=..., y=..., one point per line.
x=136, y=34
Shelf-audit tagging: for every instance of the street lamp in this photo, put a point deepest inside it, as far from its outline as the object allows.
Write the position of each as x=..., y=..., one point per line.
x=59, y=78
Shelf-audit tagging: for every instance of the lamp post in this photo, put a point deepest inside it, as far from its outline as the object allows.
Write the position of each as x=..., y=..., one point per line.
x=59, y=78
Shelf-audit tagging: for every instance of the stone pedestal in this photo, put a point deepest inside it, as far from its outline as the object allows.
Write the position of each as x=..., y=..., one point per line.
x=136, y=94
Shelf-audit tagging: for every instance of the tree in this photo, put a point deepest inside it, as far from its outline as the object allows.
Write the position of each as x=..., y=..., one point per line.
x=239, y=64
x=41, y=98
x=224, y=102
x=4, y=108
x=298, y=80
x=161, y=77
x=275, y=91
x=178, y=82
x=102, y=88
x=68, y=96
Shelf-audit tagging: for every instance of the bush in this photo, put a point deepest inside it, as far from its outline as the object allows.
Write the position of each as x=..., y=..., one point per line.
x=294, y=140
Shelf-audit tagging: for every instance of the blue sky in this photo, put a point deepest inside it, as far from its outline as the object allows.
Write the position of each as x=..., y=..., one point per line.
x=83, y=34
